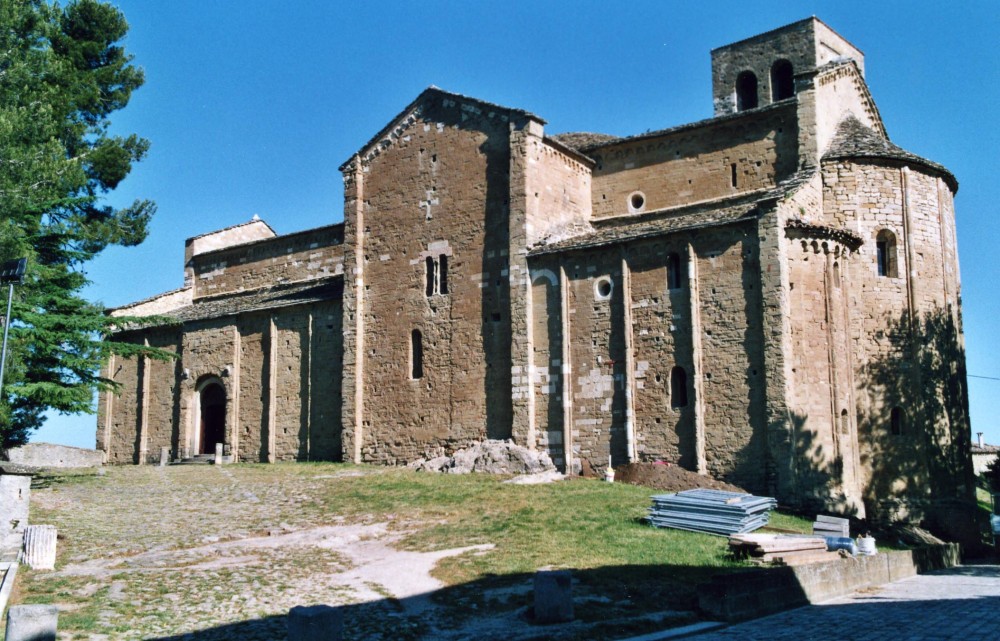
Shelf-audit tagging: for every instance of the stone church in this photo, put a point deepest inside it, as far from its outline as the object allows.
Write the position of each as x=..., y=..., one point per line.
x=770, y=297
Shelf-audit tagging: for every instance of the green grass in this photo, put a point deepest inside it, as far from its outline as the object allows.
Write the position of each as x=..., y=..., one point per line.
x=629, y=569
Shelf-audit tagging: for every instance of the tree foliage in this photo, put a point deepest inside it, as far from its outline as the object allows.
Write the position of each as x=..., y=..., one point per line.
x=63, y=72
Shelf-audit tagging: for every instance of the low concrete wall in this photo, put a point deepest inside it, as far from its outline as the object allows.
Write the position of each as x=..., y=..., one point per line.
x=754, y=593
x=48, y=455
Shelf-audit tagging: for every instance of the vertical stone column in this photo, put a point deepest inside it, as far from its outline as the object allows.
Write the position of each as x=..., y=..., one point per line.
x=567, y=372
x=272, y=388
x=106, y=412
x=524, y=139
x=40, y=547
x=234, y=404
x=698, y=378
x=630, y=433
x=774, y=286
x=144, y=385
x=352, y=415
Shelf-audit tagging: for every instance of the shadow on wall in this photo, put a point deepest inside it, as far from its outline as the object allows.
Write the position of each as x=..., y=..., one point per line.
x=914, y=426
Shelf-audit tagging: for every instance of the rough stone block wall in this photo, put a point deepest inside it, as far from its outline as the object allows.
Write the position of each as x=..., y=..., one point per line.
x=254, y=372
x=439, y=191
x=661, y=318
x=122, y=443
x=562, y=202
x=162, y=414
x=598, y=357
x=313, y=253
x=547, y=358
x=325, y=388
x=695, y=164
x=733, y=367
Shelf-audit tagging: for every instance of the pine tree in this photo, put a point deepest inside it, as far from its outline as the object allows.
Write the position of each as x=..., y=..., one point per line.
x=62, y=74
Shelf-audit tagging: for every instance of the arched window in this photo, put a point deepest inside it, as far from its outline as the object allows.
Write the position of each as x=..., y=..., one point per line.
x=431, y=276
x=897, y=421
x=836, y=275
x=416, y=355
x=746, y=91
x=782, y=83
x=675, y=272
x=885, y=254
x=678, y=387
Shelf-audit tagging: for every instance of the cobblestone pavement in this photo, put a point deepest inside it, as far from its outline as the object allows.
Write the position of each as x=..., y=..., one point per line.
x=959, y=603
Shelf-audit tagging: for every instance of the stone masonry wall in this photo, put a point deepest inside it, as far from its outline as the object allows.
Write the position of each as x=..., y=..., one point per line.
x=313, y=253
x=696, y=164
x=562, y=203
x=438, y=192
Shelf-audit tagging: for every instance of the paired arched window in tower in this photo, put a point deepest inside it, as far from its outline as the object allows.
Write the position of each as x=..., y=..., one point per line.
x=885, y=254
x=678, y=388
x=746, y=91
x=782, y=82
x=436, y=278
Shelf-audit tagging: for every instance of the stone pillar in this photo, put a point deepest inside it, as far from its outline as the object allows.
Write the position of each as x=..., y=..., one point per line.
x=32, y=623
x=164, y=456
x=553, y=596
x=40, y=547
x=315, y=623
x=15, y=496
x=218, y=453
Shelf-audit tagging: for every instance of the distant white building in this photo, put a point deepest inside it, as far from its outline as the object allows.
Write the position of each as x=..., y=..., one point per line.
x=983, y=455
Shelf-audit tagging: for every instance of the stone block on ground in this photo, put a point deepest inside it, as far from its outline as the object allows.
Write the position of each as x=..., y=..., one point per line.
x=32, y=623
x=315, y=623
x=40, y=547
x=553, y=596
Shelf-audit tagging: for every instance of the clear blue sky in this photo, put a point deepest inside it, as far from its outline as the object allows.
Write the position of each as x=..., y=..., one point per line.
x=252, y=105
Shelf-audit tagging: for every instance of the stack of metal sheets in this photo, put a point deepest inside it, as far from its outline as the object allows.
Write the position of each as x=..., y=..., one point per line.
x=712, y=511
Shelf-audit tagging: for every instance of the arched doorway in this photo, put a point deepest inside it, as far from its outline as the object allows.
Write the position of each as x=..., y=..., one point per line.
x=212, y=429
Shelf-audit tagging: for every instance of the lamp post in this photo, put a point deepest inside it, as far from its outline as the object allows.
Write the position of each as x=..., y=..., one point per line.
x=11, y=272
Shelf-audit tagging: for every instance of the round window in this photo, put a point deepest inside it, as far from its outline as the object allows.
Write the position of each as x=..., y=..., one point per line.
x=603, y=288
x=636, y=201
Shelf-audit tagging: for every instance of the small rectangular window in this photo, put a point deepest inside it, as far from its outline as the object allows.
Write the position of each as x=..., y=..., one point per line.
x=430, y=277
x=732, y=173
x=416, y=355
x=443, y=274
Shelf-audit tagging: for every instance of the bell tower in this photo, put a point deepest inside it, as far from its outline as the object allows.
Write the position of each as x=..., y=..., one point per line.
x=761, y=70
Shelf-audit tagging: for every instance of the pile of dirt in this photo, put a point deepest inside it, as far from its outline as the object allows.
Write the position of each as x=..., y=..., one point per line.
x=670, y=478
x=491, y=457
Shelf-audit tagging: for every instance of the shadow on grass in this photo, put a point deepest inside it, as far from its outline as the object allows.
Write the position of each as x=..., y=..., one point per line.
x=609, y=602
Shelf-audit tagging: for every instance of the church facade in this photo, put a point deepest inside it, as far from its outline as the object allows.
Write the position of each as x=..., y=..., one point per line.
x=770, y=297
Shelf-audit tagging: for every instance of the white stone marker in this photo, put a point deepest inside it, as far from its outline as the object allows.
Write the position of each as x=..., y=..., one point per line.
x=32, y=623
x=164, y=456
x=40, y=547
x=218, y=453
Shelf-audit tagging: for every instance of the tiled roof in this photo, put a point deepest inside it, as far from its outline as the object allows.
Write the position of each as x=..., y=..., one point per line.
x=653, y=225
x=854, y=140
x=658, y=223
x=985, y=449
x=258, y=299
x=582, y=139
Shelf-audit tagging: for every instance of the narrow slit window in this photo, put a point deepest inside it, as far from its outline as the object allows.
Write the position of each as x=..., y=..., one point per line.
x=732, y=174
x=897, y=421
x=675, y=272
x=443, y=274
x=416, y=355
x=678, y=388
x=431, y=276
x=885, y=254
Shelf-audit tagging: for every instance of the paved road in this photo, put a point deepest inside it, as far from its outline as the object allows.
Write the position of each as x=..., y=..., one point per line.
x=960, y=603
